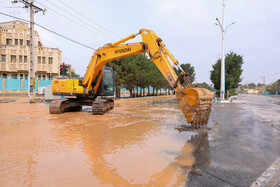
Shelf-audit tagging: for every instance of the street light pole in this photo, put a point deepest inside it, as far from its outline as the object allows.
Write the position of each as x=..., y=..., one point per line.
x=223, y=57
x=223, y=31
x=222, y=85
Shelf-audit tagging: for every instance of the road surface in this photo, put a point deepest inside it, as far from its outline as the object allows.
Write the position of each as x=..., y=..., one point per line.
x=142, y=142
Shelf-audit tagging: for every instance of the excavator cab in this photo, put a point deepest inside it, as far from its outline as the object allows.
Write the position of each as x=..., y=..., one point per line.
x=107, y=84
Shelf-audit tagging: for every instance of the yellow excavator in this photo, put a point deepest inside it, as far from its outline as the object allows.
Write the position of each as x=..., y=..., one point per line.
x=99, y=80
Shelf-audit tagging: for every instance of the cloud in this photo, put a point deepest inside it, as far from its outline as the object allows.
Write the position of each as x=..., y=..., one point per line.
x=186, y=27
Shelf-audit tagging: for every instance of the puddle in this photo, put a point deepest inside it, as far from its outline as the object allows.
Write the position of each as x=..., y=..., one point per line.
x=134, y=144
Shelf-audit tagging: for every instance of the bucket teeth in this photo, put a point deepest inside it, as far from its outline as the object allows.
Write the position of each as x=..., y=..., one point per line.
x=196, y=103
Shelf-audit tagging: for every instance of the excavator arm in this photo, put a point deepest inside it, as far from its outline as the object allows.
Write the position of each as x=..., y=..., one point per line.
x=196, y=102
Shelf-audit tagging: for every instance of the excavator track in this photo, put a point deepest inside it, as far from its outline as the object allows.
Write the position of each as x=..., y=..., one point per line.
x=99, y=107
x=57, y=106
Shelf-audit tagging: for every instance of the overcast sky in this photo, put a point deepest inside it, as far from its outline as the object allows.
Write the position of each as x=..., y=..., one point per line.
x=185, y=26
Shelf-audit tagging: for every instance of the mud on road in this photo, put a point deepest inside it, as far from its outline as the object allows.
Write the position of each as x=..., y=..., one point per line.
x=142, y=142
x=137, y=143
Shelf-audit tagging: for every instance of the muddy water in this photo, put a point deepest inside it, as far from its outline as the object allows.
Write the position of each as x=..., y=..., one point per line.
x=135, y=144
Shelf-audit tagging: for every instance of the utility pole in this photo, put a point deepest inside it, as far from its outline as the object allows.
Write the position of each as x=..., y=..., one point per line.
x=32, y=70
x=263, y=77
x=31, y=76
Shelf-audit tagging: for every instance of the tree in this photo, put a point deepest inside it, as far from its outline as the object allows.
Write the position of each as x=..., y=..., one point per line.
x=190, y=69
x=272, y=87
x=138, y=72
x=260, y=85
x=233, y=71
x=252, y=85
x=204, y=85
x=74, y=75
x=119, y=77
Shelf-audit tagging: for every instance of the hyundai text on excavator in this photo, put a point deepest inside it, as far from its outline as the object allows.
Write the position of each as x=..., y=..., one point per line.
x=99, y=80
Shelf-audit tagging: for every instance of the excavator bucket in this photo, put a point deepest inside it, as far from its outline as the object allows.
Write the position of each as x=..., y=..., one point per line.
x=196, y=103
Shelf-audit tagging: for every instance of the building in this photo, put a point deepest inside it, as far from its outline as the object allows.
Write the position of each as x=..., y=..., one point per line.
x=15, y=53
x=70, y=67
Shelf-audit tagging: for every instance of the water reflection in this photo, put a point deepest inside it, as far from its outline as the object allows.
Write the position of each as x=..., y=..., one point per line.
x=134, y=155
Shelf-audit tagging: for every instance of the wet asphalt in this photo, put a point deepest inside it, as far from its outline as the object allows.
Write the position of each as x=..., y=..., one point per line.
x=243, y=142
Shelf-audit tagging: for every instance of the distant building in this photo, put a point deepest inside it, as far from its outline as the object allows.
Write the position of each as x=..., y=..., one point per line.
x=256, y=90
x=70, y=67
x=15, y=53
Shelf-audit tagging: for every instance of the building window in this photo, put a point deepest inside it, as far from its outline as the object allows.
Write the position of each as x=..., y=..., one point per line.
x=39, y=77
x=9, y=41
x=14, y=76
x=16, y=41
x=26, y=76
x=13, y=58
x=50, y=60
x=44, y=60
x=20, y=58
x=39, y=60
x=44, y=77
x=21, y=76
x=4, y=76
x=28, y=42
x=25, y=59
x=20, y=41
x=39, y=44
x=3, y=58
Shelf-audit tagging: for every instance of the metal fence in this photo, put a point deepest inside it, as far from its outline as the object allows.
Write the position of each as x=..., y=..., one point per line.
x=18, y=85
x=21, y=85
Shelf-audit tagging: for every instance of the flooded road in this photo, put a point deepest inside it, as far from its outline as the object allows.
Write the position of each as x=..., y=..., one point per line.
x=137, y=143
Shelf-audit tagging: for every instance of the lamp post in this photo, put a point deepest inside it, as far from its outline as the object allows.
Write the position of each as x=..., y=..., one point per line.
x=223, y=31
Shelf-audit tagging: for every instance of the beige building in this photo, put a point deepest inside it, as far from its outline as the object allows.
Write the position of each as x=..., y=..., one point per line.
x=70, y=67
x=15, y=53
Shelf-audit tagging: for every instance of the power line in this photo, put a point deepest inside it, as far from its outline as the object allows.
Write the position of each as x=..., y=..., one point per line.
x=72, y=20
x=81, y=20
x=65, y=37
x=89, y=19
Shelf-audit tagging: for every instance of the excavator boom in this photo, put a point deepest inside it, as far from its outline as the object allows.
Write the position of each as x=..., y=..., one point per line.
x=196, y=102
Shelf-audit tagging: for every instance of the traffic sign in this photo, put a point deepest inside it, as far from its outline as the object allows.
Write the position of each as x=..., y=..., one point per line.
x=222, y=92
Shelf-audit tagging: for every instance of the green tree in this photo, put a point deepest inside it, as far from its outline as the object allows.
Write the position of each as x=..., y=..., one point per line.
x=137, y=72
x=190, y=69
x=204, y=85
x=74, y=75
x=119, y=74
x=260, y=85
x=272, y=87
x=233, y=71
x=131, y=72
x=252, y=85
x=176, y=70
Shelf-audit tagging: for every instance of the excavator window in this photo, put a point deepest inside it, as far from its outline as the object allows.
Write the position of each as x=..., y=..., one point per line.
x=107, y=84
